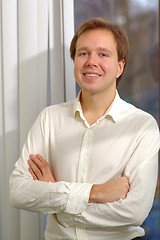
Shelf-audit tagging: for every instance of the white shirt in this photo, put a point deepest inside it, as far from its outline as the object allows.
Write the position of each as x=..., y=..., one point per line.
x=124, y=142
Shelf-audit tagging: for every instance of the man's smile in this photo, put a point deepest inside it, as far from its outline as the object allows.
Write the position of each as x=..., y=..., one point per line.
x=92, y=74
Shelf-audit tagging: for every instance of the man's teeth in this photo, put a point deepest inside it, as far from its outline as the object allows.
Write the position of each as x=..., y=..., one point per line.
x=91, y=75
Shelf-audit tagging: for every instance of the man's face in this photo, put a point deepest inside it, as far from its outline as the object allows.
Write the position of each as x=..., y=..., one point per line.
x=96, y=61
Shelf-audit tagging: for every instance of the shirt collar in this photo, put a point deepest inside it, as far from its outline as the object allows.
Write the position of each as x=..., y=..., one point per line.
x=77, y=107
x=113, y=111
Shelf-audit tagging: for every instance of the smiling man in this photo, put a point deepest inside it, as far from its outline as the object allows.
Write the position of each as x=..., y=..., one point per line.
x=91, y=164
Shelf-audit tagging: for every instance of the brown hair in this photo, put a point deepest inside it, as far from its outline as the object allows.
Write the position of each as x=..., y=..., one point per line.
x=118, y=33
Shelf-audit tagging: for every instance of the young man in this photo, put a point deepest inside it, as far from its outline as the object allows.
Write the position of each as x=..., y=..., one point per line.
x=93, y=162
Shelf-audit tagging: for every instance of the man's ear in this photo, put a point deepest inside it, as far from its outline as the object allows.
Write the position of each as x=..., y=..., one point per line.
x=121, y=65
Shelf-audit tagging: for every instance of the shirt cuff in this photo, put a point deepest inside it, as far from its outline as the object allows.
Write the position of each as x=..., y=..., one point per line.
x=78, y=197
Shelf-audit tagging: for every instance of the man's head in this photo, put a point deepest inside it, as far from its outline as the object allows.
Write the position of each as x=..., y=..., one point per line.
x=118, y=34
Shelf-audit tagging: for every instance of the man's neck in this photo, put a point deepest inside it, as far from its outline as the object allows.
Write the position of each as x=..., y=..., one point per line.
x=95, y=105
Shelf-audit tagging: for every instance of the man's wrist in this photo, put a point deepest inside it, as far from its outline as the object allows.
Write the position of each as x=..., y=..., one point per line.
x=93, y=194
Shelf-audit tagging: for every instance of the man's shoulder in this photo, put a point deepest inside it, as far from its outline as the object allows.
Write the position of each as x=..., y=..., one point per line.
x=61, y=108
x=136, y=114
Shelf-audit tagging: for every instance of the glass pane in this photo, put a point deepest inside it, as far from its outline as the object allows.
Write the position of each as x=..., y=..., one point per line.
x=140, y=84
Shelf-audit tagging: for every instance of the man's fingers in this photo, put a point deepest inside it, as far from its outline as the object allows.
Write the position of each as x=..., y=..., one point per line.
x=39, y=165
x=35, y=169
x=40, y=158
x=32, y=173
x=36, y=160
x=40, y=169
x=42, y=164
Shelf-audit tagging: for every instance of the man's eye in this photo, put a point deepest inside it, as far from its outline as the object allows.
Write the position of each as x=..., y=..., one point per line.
x=103, y=55
x=83, y=54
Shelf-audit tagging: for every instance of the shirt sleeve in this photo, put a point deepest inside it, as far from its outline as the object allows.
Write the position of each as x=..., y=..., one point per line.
x=47, y=197
x=142, y=170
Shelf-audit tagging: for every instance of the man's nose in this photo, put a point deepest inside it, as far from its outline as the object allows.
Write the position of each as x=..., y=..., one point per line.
x=92, y=60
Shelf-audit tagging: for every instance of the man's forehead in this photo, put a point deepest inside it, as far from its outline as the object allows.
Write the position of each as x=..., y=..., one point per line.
x=98, y=41
x=100, y=33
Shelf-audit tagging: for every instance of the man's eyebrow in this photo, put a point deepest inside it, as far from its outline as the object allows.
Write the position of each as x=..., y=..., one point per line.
x=98, y=49
x=105, y=50
x=82, y=48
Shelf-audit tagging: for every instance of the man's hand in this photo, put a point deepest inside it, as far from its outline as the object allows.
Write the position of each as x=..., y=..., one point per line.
x=111, y=191
x=39, y=169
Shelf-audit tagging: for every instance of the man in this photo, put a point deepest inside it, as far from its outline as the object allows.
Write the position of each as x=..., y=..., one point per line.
x=93, y=161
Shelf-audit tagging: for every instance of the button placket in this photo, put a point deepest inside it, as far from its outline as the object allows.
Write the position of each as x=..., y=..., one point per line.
x=85, y=154
x=83, y=169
